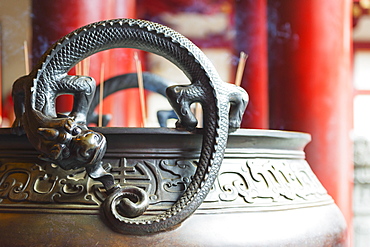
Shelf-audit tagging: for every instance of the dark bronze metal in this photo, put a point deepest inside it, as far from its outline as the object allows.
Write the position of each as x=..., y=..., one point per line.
x=67, y=142
x=264, y=195
x=151, y=82
x=91, y=185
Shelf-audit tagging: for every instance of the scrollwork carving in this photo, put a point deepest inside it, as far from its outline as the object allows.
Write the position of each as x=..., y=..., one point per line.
x=34, y=183
x=182, y=170
x=266, y=181
x=162, y=179
x=241, y=182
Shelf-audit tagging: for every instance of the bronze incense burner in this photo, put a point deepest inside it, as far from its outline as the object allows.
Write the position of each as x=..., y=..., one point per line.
x=127, y=186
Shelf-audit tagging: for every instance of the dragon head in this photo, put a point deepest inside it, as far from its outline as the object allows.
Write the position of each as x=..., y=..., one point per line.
x=72, y=145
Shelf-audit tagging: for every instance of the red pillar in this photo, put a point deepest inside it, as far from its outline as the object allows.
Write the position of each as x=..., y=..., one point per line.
x=125, y=105
x=52, y=20
x=251, y=37
x=310, y=86
x=1, y=83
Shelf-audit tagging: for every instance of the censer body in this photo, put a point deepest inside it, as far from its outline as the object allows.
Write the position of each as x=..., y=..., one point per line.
x=63, y=183
x=265, y=193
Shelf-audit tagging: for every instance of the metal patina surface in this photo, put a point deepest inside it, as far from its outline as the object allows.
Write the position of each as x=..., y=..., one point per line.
x=265, y=193
x=67, y=142
x=156, y=187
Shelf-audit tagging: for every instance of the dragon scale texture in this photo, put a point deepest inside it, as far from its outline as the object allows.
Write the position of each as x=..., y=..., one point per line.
x=206, y=87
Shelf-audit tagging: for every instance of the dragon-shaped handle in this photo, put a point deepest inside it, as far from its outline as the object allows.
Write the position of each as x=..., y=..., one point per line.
x=67, y=142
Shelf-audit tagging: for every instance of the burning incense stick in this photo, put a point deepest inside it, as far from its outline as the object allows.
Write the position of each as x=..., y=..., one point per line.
x=240, y=70
x=101, y=93
x=26, y=57
x=141, y=88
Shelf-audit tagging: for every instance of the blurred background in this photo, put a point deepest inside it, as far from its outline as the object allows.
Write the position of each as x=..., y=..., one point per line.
x=308, y=69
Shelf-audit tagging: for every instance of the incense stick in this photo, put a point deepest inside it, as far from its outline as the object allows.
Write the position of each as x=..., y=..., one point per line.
x=26, y=57
x=240, y=70
x=86, y=66
x=78, y=69
x=198, y=112
x=141, y=88
x=101, y=94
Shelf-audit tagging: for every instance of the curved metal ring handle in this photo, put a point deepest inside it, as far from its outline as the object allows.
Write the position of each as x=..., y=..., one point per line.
x=67, y=141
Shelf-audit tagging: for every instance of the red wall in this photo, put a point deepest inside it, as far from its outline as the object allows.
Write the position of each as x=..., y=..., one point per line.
x=311, y=87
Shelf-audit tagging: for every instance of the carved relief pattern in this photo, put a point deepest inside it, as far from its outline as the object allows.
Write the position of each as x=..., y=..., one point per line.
x=163, y=179
x=266, y=181
x=30, y=182
x=241, y=182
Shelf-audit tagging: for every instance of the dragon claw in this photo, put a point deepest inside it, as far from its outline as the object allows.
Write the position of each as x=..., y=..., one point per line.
x=75, y=146
x=17, y=127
